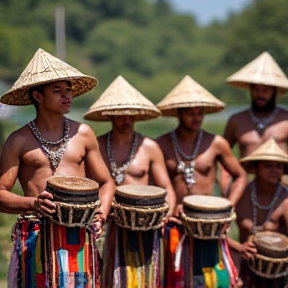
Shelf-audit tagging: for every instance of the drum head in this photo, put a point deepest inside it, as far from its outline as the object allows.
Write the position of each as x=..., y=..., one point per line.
x=72, y=189
x=140, y=195
x=271, y=244
x=206, y=203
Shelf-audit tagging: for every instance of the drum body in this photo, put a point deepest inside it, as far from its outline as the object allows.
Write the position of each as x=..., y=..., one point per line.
x=139, y=207
x=207, y=217
x=271, y=260
x=76, y=199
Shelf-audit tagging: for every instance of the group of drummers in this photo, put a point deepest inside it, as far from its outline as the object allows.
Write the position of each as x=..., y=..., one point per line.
x=123, y=210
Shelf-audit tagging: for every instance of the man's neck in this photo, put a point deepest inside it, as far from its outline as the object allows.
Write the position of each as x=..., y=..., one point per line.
x=259, y=113
x=46, y=123
x=122, y=138
x=264, y=188
x=186, y=135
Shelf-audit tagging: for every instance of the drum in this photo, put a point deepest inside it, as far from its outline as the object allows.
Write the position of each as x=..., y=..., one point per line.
x=271, y=260
x=207, y=217
x=138, y=207
x=76, y=200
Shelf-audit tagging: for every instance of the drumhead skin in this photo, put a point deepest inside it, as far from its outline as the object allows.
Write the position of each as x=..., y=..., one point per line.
x=140, y=195
x=271, y=244
x=73, y=189
x=206, y=203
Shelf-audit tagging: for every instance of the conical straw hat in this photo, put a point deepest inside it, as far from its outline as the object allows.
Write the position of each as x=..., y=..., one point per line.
x=188, y=93
x=121, y=98
x=268, y=151
x=44, y=68
x=262, y=70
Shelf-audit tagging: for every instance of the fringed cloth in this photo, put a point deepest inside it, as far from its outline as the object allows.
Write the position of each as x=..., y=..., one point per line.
x=50, y=255
x=133, y=259
x=197, y=263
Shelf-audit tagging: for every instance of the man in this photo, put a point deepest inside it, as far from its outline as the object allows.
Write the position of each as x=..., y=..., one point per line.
x=264, y=205
x=33, y=154
x=263, y=120
x=131, y=159
x=191, y=153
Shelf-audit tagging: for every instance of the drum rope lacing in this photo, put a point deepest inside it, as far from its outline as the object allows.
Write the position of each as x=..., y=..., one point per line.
x=262, y=123
x=118, y=173
x=257, y=205
x=53, y=156
x=183, y=167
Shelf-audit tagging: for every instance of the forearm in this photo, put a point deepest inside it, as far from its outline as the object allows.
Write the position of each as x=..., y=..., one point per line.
x=234, y=245
x=171, y=199
x=237, y=189
x=106, y=195
x=15, y=204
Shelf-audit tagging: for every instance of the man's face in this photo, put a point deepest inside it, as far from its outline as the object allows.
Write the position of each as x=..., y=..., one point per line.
x=57, y=97
x=191, y=118
x=269, y=171
x=123, y=123
x=263, y=97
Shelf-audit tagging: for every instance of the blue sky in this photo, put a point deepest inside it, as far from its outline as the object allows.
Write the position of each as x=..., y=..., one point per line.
x=206, y=11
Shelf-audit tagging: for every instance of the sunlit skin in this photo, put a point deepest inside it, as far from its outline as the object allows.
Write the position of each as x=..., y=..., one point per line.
x=213, y=148
x=241, y=130
x=148, y=163
x=267, y=177
x=23, y=158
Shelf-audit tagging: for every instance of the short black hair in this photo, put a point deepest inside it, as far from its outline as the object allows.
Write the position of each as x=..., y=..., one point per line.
x=39, y=89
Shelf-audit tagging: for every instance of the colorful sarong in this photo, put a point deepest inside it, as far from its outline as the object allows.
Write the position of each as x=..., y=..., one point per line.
x=50, y=255
x=133, y=259
x=197, y=263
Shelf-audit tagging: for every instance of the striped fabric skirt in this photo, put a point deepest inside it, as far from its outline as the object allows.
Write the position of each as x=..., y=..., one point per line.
x=196, y=263
x=50, y=255
x=133, y=259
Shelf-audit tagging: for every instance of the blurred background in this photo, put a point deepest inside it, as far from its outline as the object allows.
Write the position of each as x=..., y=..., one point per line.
x=152, y=43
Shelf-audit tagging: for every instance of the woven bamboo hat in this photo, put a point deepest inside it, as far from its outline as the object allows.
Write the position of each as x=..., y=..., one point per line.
x=45, y=68
x=268, y=151
x=188, y=93
x=121, y=98
x=262, y=70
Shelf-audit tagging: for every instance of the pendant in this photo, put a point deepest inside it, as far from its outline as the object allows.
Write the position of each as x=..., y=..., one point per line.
x=181, y=167
x=260, y=128
x=119, y=178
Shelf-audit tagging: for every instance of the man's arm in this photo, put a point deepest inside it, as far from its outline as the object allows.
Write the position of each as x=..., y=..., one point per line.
x=97, y=170
x=9, y=166
x=160, y=174
x=233, y=167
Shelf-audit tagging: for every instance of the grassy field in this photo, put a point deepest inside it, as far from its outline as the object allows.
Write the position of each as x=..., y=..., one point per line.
x=154, y=128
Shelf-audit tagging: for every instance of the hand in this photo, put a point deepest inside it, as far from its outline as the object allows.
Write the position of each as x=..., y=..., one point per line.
x=178, y=210
x=175, y=219
x=97, y=224
x=43, y=204
x=248, y=250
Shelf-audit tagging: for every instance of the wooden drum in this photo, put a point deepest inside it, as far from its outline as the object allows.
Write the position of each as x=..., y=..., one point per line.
x=207, y=217
x=138, y=207
x=271, y=260
x=76, y=199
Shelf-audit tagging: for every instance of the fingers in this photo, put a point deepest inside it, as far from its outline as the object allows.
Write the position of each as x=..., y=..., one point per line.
x=43, y=204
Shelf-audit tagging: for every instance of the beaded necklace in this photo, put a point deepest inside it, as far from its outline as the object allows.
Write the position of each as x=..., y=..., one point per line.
x=262, y=123
x=118, y=173
x=53, y=156
x=183, y=167
x=257, y=205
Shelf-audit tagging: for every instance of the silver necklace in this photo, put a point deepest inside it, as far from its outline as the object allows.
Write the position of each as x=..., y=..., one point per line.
x=262, y=123
x=183, y=167
x=53, y=156
x=118, y=173
x=257, y=205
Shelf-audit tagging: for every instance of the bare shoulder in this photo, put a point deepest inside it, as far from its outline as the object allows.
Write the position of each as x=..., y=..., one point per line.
x=235, y=118
x=163, y=140
x=219, y=142
x=102, y=139
x=80, y=128
x=283, y=114
x=20, y=135
x=149, y=143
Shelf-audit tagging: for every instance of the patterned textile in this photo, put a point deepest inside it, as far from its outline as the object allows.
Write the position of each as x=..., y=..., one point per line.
x=197, y=263
x=50, y=255
x=133, y=259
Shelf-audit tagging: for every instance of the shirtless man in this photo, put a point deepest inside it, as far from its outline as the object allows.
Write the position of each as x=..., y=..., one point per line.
x=263, y=120
x=131, y=159
x=191, y=155
x=264, y=191
x=25, y=157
